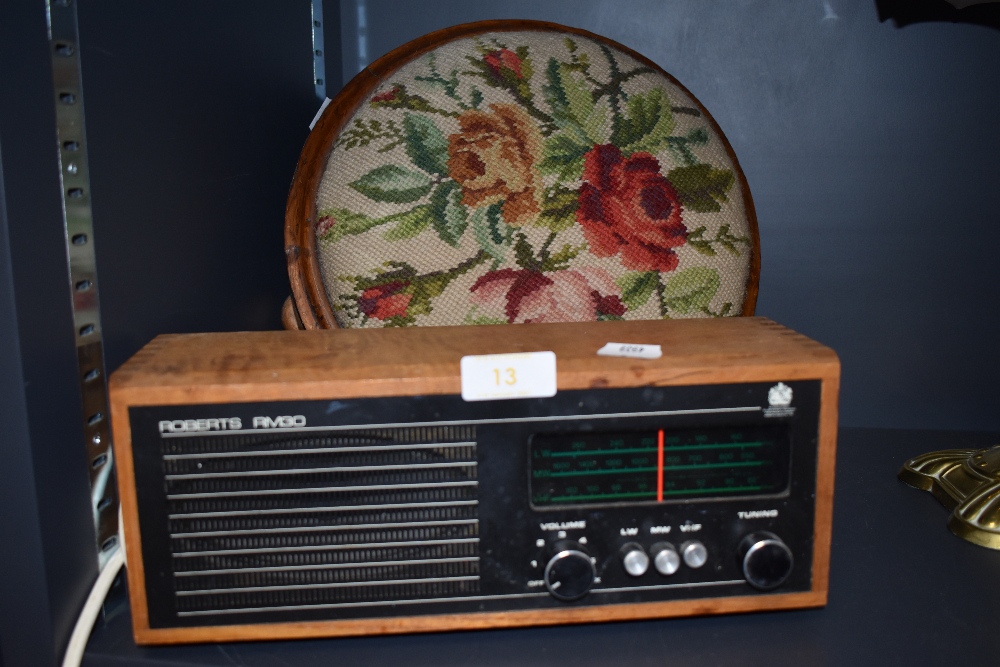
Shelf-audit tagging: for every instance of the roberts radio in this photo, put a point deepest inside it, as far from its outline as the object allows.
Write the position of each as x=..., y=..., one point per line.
x=362, y=482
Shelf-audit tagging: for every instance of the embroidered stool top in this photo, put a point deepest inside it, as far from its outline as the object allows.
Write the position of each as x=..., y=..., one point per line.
x=517, y=171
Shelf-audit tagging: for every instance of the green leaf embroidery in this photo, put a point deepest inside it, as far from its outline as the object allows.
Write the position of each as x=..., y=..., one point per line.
x=697, y=137
x=395, y=271
x=347, y=223
x=449, y=214
x=580, y=102
x=390, y=183
x=691, y=290
x=425, y=144
x=560, y=259
x=524, y=254
x=555, y=96
x=410, y=224
x=425, y=288
x=646, y=125
x=492, y=233
x=571, y=103
x=637, y=287
x=473, y=317
x=475, y=97
x=563, y=155
x=701, y=186
x=596, y=125
x=559, y=209
x=362, y=133
x=696, y=239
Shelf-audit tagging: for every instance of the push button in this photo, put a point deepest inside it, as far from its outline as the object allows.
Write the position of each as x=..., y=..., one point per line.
x=666, y=560
x=634, y=559
x=695, y=554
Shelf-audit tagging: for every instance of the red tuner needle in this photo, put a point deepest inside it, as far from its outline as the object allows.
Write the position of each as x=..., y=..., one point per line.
x=659, y=466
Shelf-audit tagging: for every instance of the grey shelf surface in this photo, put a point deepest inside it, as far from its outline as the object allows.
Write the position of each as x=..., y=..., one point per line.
x=903, y=590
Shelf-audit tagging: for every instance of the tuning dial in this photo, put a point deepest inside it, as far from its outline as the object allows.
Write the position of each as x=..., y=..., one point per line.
x=765, y=559
x=695, y=554
x=634, y=559
x=570, y=573
x=666, y=560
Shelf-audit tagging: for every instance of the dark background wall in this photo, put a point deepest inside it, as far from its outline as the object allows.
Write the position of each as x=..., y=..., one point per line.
x=196, y=112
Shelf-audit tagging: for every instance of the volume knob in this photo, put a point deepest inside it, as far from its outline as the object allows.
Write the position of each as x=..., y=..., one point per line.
x=765, y=559
x=570, y=572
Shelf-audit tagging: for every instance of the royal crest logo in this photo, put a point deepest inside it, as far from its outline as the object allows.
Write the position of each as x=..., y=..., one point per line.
x=780, y=395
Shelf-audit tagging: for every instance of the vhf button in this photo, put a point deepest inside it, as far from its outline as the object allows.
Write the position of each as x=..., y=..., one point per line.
x=634, y=559
x=695, y=554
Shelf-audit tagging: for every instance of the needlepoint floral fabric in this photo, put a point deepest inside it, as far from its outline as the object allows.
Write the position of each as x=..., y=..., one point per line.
x=529, y=177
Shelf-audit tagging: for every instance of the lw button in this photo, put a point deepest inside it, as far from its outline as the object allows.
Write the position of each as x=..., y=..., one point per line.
x=695, y=554
x=634, y=559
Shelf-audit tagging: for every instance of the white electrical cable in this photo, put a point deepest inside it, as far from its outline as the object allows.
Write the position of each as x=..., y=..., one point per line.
x=92, y=607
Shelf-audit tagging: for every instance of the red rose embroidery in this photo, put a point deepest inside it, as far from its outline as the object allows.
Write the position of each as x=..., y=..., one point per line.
x=385, y=301
x=572, y=295
x=386, y=97
x=628, y=208
x=502, y=59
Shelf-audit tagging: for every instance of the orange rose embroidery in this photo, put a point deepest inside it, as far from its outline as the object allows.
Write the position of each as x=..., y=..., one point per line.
x=493, y=159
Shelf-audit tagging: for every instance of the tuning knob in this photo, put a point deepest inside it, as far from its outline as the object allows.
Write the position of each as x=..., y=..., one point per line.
x=666, y=560
x=634, y=559
x=765, y=559
x=570, y=572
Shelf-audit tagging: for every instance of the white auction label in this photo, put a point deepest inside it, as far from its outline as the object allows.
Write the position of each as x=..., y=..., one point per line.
x=490, y=377
x=631, y=350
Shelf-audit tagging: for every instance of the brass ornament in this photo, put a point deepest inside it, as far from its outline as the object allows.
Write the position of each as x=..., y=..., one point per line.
x=966, y=481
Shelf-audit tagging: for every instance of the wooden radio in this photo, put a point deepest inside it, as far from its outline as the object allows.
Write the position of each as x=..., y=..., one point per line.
x=324, y=483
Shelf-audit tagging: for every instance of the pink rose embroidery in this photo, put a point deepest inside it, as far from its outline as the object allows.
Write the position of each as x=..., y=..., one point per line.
x=571, y=295
x=325, y=224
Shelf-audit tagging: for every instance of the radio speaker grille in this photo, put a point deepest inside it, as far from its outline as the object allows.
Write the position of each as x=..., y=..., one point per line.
x=302, y=521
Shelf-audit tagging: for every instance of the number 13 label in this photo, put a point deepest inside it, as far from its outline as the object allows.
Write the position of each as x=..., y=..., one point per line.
x=491, y=377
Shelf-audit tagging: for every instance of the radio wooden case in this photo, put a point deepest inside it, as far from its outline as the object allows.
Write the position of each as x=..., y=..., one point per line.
x=326, y=483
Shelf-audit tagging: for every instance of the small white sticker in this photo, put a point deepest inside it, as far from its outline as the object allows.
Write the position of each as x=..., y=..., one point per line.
x=319, y=113
x=491, y=377
x=631, y=350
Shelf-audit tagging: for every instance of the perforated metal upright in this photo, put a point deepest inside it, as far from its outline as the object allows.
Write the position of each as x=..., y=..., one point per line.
x=49, y=559
x=250, y=74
